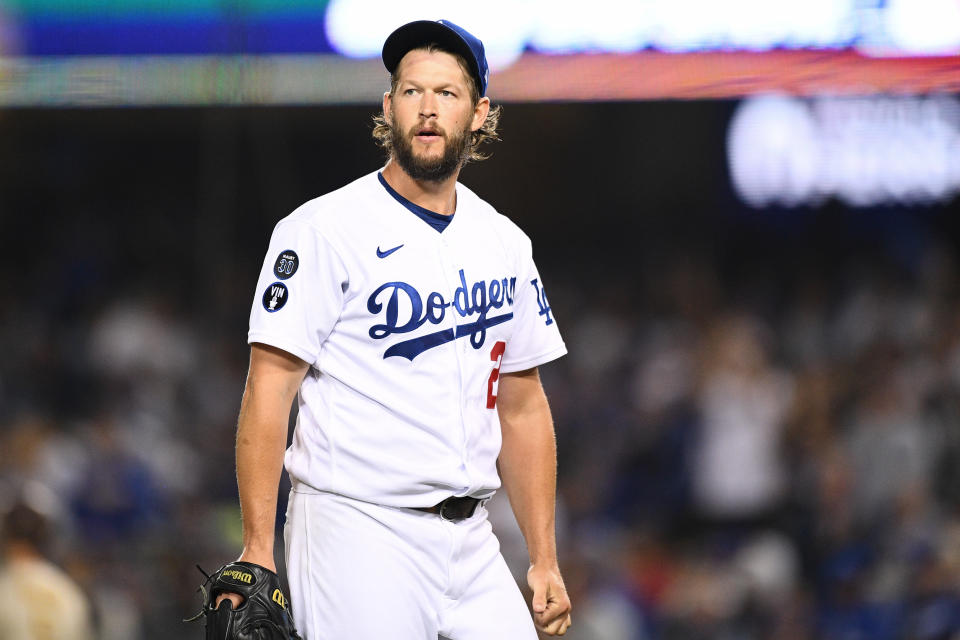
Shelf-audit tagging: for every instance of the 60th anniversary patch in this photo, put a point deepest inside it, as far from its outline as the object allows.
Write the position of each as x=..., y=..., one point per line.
x=286, y=264
x=275, y=297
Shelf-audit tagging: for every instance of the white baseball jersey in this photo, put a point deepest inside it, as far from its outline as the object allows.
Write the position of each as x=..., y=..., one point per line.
x=407, y=330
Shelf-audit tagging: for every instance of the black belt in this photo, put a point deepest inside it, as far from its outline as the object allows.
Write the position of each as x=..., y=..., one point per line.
x=453, y=508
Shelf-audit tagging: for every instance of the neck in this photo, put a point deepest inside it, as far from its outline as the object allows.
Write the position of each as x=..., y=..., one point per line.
x=440, y=197
x=15, y=550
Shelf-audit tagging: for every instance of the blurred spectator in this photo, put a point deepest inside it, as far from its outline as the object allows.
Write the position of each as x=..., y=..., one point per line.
x=115, y=499
x=738, y=473
x=142, y=336
x=55, y=606
x=890, y=447
x=14, y=614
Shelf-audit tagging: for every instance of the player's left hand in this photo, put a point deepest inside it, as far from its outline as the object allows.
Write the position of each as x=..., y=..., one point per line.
x=551, y=604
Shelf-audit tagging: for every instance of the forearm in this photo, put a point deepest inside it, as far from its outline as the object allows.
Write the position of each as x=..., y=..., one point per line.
x=261, y=440
x=528, y=468
x=272, y=383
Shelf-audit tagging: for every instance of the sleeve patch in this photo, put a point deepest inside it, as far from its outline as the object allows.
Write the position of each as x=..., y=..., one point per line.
x=286, y=264
x=275, y=297
x=542, y=302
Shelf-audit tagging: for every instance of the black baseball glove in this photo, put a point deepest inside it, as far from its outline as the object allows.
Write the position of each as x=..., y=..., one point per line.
x=264, y=613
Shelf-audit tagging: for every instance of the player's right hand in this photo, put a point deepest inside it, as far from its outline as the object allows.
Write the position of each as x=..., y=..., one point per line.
x=235, y=598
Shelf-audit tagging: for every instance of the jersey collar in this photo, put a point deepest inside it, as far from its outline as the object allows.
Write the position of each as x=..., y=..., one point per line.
x=436, y=220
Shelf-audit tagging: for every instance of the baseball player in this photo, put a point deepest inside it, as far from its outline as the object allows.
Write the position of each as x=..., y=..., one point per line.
x=408, y=319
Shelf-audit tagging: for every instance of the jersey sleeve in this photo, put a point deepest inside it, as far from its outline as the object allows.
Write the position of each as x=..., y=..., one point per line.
x=535, y=339
x=299, y=293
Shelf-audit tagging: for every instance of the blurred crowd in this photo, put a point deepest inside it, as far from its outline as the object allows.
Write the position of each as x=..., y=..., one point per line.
x=777, y=457
x=736, y=461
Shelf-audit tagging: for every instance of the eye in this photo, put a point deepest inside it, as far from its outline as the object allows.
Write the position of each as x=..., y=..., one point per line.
x=446, y=93
x=409, y=92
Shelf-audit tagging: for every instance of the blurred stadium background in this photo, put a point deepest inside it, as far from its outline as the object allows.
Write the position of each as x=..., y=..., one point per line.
x=746, y=214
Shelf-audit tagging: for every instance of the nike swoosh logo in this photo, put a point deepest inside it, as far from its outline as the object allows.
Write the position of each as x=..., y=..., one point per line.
x=384, y=254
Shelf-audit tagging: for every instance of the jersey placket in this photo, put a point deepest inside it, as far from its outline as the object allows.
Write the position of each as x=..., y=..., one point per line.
x=449, y=268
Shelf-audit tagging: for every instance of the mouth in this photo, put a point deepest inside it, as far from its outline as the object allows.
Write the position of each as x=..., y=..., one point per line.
x=428, y=135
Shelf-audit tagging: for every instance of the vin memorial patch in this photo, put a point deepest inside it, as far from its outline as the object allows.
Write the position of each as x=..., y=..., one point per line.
x=275, y=297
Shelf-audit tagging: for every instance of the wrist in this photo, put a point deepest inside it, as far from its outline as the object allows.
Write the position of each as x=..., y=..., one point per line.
x=544, y=562
x=259, y=555
x=543, y=554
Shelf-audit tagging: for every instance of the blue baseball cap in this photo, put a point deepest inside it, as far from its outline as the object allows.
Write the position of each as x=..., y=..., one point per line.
x=447, y=35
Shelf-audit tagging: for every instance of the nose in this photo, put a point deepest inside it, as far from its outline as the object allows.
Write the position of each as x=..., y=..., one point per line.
x=428, y=105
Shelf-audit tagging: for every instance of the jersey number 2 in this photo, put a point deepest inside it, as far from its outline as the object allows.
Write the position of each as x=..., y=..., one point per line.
x=496, y=355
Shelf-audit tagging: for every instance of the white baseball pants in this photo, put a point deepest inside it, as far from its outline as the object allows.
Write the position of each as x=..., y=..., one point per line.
x=360, y=571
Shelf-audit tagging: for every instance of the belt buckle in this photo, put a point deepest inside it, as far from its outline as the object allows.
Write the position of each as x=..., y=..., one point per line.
x=459, y=502
x=443, y=511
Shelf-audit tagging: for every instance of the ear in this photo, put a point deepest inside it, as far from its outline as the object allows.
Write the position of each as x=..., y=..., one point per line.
x=480, y=113
x=387, y=101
